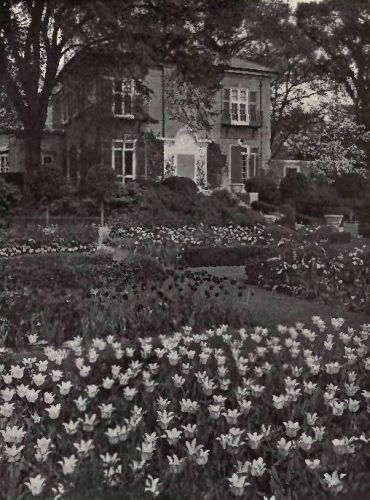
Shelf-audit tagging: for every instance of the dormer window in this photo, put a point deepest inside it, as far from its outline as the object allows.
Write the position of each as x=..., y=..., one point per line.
x=123, y=95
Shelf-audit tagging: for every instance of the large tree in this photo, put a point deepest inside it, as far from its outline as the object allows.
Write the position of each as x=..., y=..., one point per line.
x=273, y=38
x=38, y=36
x=339, y=33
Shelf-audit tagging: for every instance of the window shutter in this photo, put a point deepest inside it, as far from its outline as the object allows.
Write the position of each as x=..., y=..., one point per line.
x=256, y=152
x=140, y=160
x=236, y=165
x=226, y=106
x=252, y=107
x=106, y=157
x=138, y=105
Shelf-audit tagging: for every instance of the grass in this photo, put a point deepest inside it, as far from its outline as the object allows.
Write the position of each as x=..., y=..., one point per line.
x=268, y=309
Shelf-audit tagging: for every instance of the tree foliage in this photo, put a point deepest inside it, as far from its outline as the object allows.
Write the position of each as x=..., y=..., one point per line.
x=274, y=38
x=47, y=183
x=334, y=145
x=339, y=33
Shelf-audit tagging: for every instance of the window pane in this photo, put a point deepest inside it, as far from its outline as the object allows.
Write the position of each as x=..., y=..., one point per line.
x=118, y=104
x=127, y=104
x=243, y=95
x=127, y=86
x=118, y=155
x=243, y=113
x=128, y=163
x=118, y=86
x=129, y=145
x=234, y=94
x=234, y=111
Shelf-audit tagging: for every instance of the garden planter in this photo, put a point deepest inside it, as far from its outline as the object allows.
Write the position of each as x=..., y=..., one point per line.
x=252, y=197
x=352, y=228
x=333, y=220
x=238, y=188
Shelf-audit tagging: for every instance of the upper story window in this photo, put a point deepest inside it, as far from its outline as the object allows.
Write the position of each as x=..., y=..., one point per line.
x=123, y=96
x=4, y=161
x=239, y=106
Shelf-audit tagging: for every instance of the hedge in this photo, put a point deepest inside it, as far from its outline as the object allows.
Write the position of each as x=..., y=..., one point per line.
x=223, y=256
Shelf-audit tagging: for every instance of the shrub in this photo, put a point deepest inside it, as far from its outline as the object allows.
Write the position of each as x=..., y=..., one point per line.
x=352, y=186
x=364, y=229
x=264, y=207
x=278, y=232
x=312, y=198
x=99, y=183
x=222, y=256
x=47, y=184
x=289, y=215
x=9, y=197
x=265, y=186
x=340, y=237
x=293, y=186
x=181, y=184
x=307, y=220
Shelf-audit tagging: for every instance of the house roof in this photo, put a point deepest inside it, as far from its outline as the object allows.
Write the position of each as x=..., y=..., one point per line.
x=237, y=63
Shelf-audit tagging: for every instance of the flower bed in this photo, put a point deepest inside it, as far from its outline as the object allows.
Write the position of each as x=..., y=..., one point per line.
x=311, y=271
x=54, y=239
x=268, y=415
x=186, y=236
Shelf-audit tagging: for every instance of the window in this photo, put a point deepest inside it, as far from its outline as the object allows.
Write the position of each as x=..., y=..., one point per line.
x=238, y=106
x=123, y=94
x=245, y=161
x=4, y=161
x=47, y=159
x=250, y=163
x=291, y=170
x=123, y=159
x=254, y=162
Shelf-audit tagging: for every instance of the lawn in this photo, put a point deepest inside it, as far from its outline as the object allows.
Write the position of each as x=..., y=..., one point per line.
x=282, y=308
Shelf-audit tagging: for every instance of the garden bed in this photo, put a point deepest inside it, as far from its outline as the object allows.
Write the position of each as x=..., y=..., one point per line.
x=214, y=414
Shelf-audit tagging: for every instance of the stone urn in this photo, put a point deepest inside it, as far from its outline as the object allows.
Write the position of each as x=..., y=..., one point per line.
x=252, y=197
x=333, y=220
x=238, y=188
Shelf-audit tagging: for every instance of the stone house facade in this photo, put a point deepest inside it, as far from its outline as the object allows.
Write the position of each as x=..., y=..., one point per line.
x=137, y=135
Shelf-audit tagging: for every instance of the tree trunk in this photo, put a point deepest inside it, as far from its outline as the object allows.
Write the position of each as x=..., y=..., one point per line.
x=102, y=213
x=47, y=215
x=32, y=148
